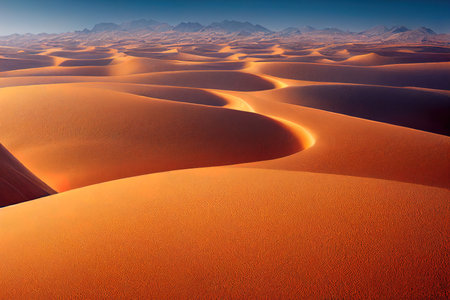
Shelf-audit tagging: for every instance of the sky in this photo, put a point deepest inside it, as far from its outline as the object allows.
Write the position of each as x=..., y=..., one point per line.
x=55, y=16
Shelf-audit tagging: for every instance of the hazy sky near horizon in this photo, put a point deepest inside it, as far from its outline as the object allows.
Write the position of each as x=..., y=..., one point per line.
x=51, y=16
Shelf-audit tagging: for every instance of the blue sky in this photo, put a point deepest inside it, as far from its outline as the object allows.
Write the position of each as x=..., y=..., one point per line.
x=21, y=16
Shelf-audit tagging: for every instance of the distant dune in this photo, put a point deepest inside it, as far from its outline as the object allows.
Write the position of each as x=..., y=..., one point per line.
x=419, y=75
x=419, y=109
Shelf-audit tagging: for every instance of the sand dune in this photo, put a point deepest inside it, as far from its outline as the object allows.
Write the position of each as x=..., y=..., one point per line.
x=358, y=147
x=171, y=56
x=223, y=80
x=179, y=94
x=82, y=54
x=85, y=62
x=419, y=109
x=15, y=64
x=96, y=135
x=229, y=233
x=370, y=59
x=120, y=66
x=17, y=183
x=419, y=75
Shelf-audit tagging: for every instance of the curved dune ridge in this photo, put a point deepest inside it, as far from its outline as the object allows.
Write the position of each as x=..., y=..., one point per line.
x=94, y=130
x=244, y=168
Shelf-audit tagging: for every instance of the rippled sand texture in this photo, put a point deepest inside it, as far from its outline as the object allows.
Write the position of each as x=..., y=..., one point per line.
x=219, y=170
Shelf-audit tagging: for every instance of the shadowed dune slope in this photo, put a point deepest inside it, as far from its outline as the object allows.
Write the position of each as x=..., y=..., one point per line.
x=85, y=62
x=34, y=80
x=60, y=71
x=229, y=233
x=17, y=183
x=16, y=64
x=430, y=75
x=223, y=80
x=110, y=67
x=82, y=54
x=188, y=95
x=419, y=109
x=95, y=135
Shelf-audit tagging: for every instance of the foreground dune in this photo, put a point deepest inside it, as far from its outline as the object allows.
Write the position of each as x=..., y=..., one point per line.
x=229, y=232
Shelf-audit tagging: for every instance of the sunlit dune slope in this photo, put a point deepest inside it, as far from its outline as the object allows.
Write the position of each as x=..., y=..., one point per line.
x=17, y=183
x=229, y=233
x=71, y=136
x=370, y=59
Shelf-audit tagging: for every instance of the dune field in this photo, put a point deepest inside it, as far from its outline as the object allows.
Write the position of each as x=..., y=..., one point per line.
x=219, y=168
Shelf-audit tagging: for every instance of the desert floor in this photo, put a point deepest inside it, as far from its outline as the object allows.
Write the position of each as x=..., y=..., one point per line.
x=236, y=169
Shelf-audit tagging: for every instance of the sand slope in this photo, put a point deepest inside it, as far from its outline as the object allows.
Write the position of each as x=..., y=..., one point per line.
x=358, y=147
x=229, y=232
x=95, y=135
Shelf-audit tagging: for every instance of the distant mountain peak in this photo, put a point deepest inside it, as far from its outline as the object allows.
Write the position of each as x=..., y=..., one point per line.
x=398, y=29
x=377, y=30
x=290, y=31
x=135, y=25
x=426, y=30
x=235, y=26
x=307, y=28
x=188, y=27
x=105, y=27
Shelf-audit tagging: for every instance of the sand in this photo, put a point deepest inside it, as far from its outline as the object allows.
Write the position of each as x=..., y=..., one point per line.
x=229, y=232
x=188, y=168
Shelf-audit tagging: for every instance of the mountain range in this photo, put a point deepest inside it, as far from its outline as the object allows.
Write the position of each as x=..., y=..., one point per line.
x=144, y=28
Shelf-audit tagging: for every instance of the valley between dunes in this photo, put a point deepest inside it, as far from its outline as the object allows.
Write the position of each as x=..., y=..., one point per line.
x=238, y=169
